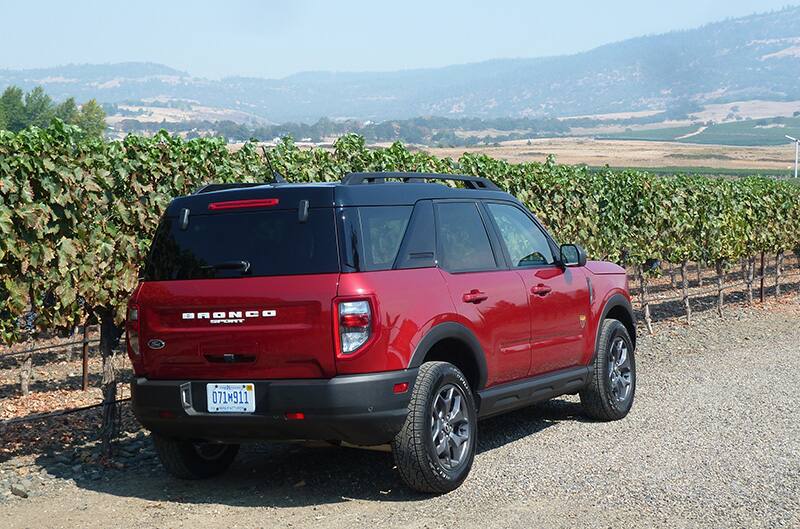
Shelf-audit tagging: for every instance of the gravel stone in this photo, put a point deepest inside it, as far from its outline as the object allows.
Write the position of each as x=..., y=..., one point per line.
x=19, y=490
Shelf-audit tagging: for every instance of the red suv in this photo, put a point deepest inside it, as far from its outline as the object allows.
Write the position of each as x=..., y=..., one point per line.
x=387, y=308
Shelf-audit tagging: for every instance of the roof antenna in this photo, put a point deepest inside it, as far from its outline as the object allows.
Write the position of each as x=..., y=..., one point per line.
x=277, y=177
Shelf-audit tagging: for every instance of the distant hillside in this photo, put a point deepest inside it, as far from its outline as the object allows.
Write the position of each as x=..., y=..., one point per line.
x=770, y=131
x=754, y=57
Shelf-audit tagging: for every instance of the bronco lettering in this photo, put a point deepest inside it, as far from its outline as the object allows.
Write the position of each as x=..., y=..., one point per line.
x=232, y=316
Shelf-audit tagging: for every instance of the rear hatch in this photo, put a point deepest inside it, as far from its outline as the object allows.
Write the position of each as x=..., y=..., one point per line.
x=241, y=288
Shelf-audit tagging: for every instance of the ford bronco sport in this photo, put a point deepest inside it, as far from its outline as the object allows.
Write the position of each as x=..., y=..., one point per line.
x=387, y=308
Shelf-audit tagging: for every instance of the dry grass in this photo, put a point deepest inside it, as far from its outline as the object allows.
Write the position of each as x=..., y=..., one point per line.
x=155, y=114
x=755, y=109
x=616, y=153
x=619, y=153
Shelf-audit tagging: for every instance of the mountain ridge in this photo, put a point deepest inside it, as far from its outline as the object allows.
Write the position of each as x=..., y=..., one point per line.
x=752, y=57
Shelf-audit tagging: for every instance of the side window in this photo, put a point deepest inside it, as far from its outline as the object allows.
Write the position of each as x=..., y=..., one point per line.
x=526, y=243
x=382, y=230
x=419, y=245
x=463, y=240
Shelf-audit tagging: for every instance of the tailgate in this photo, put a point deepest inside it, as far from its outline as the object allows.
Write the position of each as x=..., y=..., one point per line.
x=238, y=329
x=240, y=289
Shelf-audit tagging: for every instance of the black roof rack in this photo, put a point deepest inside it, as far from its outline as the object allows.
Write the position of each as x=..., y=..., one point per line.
x=472, y=182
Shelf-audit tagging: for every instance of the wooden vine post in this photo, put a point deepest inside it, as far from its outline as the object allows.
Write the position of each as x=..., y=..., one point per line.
x=761, y=294
x=85, y=359
x=778, y=272
x=751, y=265
x=25, y=375
x=26, y=370
x=109, y=336
x=648, y=321
x=743, y=267
x=72, y=354
x=720, y=292
x=685, y=289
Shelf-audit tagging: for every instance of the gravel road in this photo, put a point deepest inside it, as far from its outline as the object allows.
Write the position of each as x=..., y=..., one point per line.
x=713, y=441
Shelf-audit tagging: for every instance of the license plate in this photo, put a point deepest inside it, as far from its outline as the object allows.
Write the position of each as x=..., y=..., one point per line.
x=231, y=398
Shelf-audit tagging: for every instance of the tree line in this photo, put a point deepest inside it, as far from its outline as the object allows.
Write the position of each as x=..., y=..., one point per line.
x=20, y=110
x=425, y=130
x=421, y=131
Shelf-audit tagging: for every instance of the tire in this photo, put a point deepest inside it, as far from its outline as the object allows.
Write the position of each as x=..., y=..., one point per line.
x=427, y=425
x=193, y=460
x=608, y=396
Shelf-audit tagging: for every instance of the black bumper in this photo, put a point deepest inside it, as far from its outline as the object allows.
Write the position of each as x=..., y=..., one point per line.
x=359, y=409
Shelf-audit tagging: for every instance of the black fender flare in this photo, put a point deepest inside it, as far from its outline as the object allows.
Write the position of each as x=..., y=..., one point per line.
x=617, y=300
x=458, y=332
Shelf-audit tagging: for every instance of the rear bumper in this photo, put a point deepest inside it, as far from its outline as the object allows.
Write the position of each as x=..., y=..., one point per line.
x=359, y=409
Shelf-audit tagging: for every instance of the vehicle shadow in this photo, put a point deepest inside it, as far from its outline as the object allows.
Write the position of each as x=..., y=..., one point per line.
x=289, y=474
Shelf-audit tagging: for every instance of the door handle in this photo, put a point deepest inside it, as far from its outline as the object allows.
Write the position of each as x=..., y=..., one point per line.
x=541, y=289
x=475, y=296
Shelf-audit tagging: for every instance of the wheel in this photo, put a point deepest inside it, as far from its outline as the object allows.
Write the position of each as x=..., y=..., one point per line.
x=194, y=460
x=608, y=396
x=436, y=446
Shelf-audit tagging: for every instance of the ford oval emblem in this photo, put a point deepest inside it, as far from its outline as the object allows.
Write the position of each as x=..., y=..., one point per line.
x=156, y=344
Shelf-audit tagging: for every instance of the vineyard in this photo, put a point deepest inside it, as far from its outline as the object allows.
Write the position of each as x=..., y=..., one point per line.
x=77, y=215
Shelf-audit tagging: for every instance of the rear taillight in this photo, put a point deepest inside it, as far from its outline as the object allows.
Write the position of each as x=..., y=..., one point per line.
x=132, y=329
x=354, y=325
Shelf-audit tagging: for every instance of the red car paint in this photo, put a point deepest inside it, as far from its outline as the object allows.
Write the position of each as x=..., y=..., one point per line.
x=522, y=332
x=501, y=322
x=296, y=343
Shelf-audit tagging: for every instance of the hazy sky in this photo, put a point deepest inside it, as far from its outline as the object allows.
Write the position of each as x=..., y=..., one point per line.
x=278, y=38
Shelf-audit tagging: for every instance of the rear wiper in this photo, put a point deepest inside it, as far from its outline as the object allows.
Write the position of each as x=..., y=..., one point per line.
x=244, y=266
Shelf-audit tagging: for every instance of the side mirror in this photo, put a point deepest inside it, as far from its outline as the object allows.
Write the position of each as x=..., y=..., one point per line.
x=572, y=255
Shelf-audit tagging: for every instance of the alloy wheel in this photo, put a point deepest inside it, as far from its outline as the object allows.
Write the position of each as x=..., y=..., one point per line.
x=619, y=370
x=450, y=428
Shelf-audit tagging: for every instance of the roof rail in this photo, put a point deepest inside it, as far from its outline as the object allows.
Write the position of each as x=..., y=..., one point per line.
x=472, y=182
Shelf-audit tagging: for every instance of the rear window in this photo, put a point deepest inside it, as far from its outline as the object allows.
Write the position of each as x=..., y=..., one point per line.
x=244, y=244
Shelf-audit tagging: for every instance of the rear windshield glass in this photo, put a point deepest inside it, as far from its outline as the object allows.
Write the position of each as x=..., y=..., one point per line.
x=244, y=244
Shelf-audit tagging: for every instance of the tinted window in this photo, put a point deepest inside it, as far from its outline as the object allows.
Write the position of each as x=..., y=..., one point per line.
x=419, y=245
x=526, y=243
x=382, y=230
x=270, y=242
x=463, y=240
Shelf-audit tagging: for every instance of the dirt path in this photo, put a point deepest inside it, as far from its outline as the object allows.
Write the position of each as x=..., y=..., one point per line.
x=695, y=133
x=713, y=441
